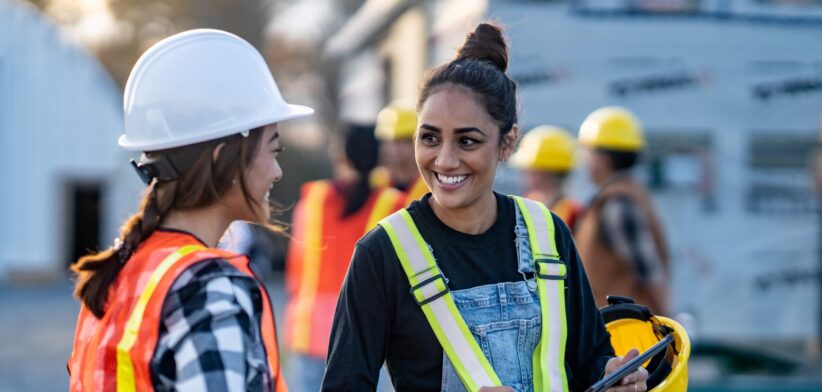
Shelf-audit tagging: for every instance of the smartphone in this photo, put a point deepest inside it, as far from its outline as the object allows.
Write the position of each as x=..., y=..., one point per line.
x=632, y=365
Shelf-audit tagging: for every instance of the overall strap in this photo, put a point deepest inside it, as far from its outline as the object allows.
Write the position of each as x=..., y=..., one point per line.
x=430, y=290
x=551, y=272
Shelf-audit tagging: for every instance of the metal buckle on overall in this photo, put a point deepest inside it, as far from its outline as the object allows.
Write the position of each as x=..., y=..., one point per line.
x=550, y=268
x=426, y=282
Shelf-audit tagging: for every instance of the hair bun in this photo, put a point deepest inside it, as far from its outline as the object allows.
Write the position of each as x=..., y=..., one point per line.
x=486, y=43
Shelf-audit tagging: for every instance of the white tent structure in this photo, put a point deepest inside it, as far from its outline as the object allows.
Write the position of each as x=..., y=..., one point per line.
x=65, y=184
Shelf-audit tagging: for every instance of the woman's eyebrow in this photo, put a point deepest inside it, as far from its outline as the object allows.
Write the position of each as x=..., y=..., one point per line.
x=469, y=129
x=430, y=127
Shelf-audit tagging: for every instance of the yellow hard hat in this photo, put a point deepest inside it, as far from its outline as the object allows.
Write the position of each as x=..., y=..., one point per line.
x=612, y=128
x=545, y=148
x=633, y=326
x=397, y=121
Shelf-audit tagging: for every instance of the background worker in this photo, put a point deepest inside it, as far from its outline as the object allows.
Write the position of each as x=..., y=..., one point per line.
x=546, y=156
x=479, y=268
x=396, y=125
x=163, y=309
x=329, y=218
x=620, y=237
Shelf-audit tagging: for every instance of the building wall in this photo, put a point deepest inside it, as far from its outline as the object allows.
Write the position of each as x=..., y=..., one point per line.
x=60, y=116
x=732, y=262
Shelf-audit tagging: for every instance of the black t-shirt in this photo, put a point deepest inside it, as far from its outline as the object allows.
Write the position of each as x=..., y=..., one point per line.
x=378, y=320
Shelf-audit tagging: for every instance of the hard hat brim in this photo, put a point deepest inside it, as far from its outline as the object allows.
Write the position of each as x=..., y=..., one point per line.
x=293, y=112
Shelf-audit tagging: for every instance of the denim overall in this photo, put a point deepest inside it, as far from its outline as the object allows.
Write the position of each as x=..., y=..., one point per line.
x=505, y=320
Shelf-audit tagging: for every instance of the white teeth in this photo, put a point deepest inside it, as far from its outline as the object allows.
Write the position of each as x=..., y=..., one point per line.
x=451, y=180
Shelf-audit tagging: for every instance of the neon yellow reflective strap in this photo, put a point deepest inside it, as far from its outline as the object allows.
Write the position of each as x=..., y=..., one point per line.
x=125, y=368
x=431, y=292
x=549, y=356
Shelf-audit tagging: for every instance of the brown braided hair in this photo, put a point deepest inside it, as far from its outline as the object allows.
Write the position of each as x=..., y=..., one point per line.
x=202, y=184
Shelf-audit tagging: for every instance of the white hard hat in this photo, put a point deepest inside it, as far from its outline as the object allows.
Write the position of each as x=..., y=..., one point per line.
x=196, y=86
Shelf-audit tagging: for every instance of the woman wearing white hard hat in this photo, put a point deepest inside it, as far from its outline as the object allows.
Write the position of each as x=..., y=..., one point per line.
x=163, y=308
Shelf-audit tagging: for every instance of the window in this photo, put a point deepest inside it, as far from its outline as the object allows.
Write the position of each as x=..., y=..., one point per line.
x=779, y=178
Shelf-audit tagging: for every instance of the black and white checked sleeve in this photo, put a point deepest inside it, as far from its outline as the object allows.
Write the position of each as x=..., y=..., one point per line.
x=625, y=229
x=209, y=336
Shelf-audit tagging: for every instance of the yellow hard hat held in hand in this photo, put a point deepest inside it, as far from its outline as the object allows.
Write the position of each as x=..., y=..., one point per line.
x=634, y=326
x=547, y=148
x=612, y=128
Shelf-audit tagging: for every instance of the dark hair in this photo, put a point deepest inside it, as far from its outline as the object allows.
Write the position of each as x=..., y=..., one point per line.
x=202, y=184
x=362, y=150
x=621, y=160
x=480, y=66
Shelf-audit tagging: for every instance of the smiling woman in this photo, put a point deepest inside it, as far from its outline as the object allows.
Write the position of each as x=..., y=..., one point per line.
x=162, y=309
x=467, y=289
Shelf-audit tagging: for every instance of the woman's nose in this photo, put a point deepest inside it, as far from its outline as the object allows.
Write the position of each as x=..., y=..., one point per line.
x=447, y=158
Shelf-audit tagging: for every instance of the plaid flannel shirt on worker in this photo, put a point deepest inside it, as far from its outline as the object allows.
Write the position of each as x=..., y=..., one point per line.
x=625, y=229
x=209, y=337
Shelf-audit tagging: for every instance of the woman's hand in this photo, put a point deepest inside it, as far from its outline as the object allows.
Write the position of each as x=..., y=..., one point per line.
x=634, y=382
x=496, y=389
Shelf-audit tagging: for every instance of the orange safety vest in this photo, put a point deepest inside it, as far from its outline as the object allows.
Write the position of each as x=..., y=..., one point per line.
x=415, y=192
x=568, y=209
x=319, y=252
x=113, y=353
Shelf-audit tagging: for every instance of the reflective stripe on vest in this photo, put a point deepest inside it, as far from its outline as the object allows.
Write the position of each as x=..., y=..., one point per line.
x=315, y=200
x=417, y=190
x=385, y=204
x=549, y=355
x=114, y=352
x=125, y=368
x=430, y=290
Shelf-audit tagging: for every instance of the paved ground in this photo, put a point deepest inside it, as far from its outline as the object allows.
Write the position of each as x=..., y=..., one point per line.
x=37, y=327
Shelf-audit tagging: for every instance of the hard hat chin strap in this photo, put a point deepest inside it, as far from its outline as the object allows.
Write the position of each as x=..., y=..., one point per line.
x=159, y=167
x=168, y=165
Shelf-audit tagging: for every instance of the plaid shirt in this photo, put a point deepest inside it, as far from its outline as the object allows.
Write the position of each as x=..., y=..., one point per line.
x=210, y=336
x=625, y=229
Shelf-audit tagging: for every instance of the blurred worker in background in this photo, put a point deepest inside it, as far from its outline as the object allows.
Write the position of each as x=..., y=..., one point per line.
x=620, y=237
x=546, y=157
x=396, y=125
x=329, y=218
x=163, y=309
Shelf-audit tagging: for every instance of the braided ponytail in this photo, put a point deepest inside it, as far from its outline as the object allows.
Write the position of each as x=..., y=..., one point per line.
x=202, y=182
x=97, y=272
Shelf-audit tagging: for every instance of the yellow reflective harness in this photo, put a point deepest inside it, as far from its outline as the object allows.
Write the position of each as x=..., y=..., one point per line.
x=430, y=290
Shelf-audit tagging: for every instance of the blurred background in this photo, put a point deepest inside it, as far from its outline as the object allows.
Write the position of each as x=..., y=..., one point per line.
x=729, y=91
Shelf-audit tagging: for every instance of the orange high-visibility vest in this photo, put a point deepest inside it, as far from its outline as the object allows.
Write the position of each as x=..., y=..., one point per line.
x=113, y=353
x=319, y=252
x=417, y=190
x=568, y=209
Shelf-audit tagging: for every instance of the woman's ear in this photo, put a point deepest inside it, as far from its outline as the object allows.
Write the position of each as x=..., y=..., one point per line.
x=509, y=143
x=216, y=153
